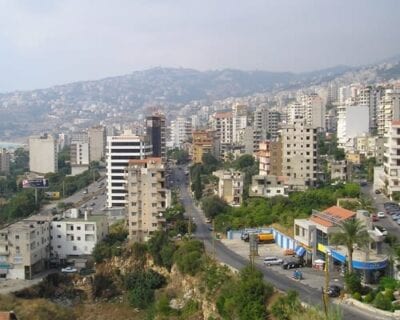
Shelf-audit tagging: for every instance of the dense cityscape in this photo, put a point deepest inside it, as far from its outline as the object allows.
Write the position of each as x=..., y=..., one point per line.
x=213, y=160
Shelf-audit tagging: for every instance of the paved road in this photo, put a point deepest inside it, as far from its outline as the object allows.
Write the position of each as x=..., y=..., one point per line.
x=223, y=254
x=378, y=200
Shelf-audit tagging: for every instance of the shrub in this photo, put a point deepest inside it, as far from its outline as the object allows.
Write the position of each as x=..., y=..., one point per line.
x=141, y=296
x=389, y=294
x=388, y=283
x=353, y=282
x=368, y=298
x=382, y=302
x=189, y=257
x=357, y=296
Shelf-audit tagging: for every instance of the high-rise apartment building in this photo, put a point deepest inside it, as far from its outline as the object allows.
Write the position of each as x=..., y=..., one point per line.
x=146, y=195
x=222, y=123
x=97, y=143
x=4, y=161
x=204, y=141
x=120, y=150
x=43, y=157
x=352, y=121
x=181, y=131
x=310, y=109
x=370, y=96
x=391, y=162
x=388, y=110
x=267, y=122
x=79, y=152
x=239, y=122
x=299, y=155
x=155, y=131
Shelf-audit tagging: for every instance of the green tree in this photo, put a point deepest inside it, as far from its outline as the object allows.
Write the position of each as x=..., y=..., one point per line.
x=352, y=231
x=189, y=257
x=213, y=205
x=287, y=306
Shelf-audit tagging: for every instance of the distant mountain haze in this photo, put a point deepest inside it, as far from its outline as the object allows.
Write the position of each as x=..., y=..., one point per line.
x=24, y=112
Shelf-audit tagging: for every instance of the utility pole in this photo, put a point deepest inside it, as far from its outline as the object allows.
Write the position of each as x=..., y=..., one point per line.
x=63, y=189
x=325, y=290
x=213, y=237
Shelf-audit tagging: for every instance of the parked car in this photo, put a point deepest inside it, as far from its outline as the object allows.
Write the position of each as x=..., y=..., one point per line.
x=396, y=217
x=69, y=270
x=269, y=261
x=382, y=230
x=377, y=191
x=291, y=265
x=333, y=291
x=374, y=217
x=381, y=214
x=92, y=204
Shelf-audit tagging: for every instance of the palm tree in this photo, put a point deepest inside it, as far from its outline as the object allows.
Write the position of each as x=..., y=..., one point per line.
x=352, y=231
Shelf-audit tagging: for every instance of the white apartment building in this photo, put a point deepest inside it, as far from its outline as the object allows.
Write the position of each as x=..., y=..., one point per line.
x=230, y=186
x=4, y=161
x=43, y=157
x=239, y=122
x=146, y=197
x=25, y=247
x=299, y=155
x=391, y=163
x=120, y=150
x=222, y=123
x=74, y=235
x=181, y=131
x=388, y=110
x=97, y=143
x=370, y=96
x=353, y=121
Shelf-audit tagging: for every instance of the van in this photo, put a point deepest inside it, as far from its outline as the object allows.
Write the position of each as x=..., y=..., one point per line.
x=269, y=261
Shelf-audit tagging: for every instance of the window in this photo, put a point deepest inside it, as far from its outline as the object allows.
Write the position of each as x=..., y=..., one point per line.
x=78, y=228
x=59, y=236
x=154, y=205
x=59, y=226
x=59, y=247
x=297, y=230
x=78, y=238
x=154, y=224
x=74, y=248
x=16, y=237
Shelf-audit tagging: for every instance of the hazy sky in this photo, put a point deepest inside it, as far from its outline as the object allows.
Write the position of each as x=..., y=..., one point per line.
x=45, y=42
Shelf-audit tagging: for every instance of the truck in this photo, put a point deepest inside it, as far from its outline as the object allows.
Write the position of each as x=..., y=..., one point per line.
x=261, y=237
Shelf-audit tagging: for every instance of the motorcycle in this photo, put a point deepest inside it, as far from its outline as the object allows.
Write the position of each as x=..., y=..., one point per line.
x=297, y=275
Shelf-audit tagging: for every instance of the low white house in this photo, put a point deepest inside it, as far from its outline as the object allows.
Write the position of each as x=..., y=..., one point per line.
x=74, y=235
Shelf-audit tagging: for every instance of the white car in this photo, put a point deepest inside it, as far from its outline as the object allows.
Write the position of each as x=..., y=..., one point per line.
x=381, y=214
x=269, y=261
x=69, y=270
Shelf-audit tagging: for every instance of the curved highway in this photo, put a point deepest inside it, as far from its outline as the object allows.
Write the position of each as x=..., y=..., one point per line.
x=222, y=253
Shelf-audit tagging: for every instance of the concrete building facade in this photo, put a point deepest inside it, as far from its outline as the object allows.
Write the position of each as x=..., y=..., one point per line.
x=5, y=158
x=146, y=195
x=299, y=155
x=43, y=156
x=25, y=247
x=156, y=133
x=230, y=186
x=97, y=143
x=75, y=235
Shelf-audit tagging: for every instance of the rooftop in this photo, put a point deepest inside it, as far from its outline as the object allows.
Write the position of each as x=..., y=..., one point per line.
x=332, y=216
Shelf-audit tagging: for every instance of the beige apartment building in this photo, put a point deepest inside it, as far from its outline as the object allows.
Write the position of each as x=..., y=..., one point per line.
x=299, y=155
x=25, y=247
x=230, y=186
x=97, y=143
x=146, y=198
x=4, y=161
x=43, y=157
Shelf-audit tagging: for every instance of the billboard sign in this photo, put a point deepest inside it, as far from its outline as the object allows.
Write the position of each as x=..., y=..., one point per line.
x=35, y=183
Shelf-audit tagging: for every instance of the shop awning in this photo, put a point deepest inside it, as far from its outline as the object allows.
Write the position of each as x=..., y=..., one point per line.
x=300, y=251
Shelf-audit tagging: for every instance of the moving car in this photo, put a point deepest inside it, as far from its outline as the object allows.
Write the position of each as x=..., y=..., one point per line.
x=269, y=261
x=333, y=291
x=69, y=270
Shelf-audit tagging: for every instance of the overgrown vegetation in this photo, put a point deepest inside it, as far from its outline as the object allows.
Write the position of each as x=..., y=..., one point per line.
x=283, y=210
